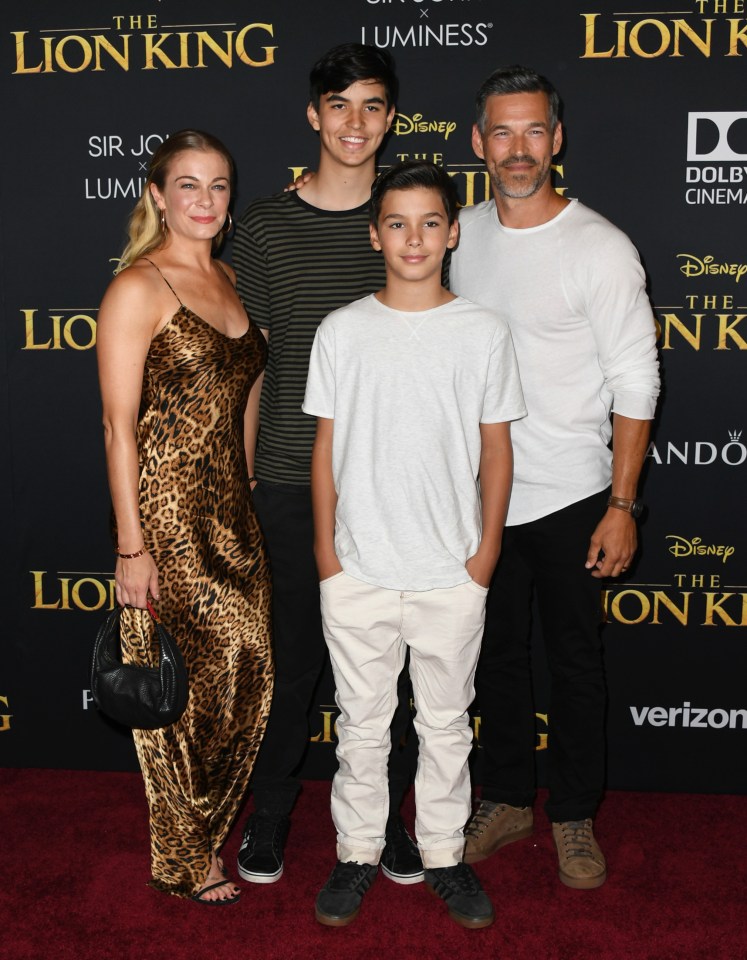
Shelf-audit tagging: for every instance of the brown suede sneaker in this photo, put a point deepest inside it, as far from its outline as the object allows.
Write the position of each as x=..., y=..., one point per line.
x=582, y=864
x=492, y=826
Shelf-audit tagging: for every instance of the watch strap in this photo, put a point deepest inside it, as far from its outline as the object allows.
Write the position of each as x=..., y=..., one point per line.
x=633, y=507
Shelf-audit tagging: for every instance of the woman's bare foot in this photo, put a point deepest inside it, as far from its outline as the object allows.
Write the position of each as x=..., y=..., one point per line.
x=217, y=889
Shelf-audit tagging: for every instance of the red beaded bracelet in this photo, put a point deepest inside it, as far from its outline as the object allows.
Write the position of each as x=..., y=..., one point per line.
x=131, y=556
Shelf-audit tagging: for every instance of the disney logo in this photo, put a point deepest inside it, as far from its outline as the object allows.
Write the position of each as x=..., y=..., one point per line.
x=695, y=267
x=696, y=548
x=416, y=124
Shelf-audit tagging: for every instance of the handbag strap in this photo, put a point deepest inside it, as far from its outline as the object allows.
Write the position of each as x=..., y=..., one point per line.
x=152, y=611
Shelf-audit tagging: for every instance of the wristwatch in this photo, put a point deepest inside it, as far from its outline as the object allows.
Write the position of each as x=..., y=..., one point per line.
x=633, y=507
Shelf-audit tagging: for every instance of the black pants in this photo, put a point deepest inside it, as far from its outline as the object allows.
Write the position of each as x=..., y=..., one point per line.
x=284, y=512
x=546, y=555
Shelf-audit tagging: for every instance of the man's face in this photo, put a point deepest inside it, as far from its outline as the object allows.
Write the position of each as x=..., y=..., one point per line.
x=517, y=143
x=353, y=122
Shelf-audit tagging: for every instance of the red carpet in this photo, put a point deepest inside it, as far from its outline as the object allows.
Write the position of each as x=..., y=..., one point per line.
x=75, y=869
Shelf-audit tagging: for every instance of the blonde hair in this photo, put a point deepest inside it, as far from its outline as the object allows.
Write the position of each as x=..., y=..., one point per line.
x=144, y=228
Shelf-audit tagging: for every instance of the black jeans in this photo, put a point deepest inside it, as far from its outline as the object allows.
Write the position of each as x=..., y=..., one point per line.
x=284, y=512
x=546, y=555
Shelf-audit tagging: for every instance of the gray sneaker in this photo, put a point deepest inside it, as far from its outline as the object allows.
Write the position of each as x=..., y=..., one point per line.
x=492, y=826
x=340, y=898
x=460, y=889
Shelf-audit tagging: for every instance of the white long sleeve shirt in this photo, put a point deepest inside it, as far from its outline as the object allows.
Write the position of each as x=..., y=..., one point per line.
x=572, y=290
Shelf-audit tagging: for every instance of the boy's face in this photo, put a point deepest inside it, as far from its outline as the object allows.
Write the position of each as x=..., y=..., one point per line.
x=413, y=232
x=352, y=123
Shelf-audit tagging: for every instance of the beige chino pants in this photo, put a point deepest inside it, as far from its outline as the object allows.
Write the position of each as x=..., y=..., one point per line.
x=367, y=629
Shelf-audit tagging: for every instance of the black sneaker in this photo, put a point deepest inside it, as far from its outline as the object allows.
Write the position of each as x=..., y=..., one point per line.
x=400, y=859
x=340, y=898
x=459, y=887
x=261, y=853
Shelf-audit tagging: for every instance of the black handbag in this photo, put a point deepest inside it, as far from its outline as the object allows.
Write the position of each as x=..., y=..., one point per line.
x=145, y=698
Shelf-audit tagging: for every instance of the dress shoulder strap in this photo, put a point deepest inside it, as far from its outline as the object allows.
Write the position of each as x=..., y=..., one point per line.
x=165, y=280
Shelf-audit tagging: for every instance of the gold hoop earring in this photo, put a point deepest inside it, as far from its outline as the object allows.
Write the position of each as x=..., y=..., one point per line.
x=227, y=229
x=164, y=227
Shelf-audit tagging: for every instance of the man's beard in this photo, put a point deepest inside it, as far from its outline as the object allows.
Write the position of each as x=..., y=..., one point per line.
x=525, y=186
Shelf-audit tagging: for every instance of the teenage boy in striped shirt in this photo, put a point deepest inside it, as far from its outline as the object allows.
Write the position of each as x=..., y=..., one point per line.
x=297, y=259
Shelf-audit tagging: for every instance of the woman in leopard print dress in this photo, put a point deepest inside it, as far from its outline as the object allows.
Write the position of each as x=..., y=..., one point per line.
x=180, y=368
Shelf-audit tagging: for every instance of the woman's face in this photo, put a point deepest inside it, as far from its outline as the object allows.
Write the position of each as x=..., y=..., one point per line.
x=195, y=194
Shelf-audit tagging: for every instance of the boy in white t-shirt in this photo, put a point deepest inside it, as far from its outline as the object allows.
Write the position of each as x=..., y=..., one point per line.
x=413, y=389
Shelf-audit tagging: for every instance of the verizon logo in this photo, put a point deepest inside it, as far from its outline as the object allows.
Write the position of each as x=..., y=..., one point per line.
x=688, y=716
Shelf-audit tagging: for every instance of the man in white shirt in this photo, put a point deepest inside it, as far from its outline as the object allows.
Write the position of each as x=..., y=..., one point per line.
x=572, y=289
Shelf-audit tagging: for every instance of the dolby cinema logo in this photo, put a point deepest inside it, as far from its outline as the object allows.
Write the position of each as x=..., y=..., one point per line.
x=717, y=136
x=716, y=172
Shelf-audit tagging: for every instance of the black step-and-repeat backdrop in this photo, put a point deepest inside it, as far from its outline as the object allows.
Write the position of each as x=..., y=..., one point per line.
x=656, y=140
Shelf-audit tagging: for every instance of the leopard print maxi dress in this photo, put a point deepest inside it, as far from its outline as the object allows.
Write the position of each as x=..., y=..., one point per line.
x=201, y=529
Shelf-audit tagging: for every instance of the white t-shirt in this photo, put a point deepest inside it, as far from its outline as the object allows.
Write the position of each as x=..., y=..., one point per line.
x=573, y=293
x=407, y=393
